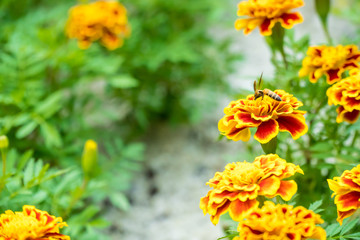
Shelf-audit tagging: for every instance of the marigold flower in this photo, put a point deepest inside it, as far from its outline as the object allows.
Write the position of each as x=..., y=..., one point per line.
x=30, y=224
x=331, y=61
x=346, y=190
x=238, y=186
x=267, y=115
x=102, y=20
x=346, y=93
x=264, y=14
x=283, y=222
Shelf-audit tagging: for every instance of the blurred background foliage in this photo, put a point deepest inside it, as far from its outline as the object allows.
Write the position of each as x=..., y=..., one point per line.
x=55, y=96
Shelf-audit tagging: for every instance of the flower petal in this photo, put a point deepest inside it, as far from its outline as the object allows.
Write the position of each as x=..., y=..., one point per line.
x=289, y=19
x=348, y=201
x=267, y=131
x=294, y=124
x=238, y=208
x=287, y=189
x=269, y=186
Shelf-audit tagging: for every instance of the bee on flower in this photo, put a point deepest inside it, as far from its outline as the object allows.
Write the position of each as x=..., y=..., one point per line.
x=31, y=224
x=266, y=13
x=102, y=20
x=236, y=189
x=266, y=114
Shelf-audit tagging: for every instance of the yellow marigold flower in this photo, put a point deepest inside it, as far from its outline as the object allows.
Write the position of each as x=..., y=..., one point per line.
x=346, y=93
x=30, y=224
x=282, y=222
x=265, y=13
x=331, y=61
x=346, y=190
x=102, y=20
x=236, y=188
x=267, y=115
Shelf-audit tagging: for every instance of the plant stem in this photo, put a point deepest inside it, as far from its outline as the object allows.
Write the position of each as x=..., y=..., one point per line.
x=3, y=156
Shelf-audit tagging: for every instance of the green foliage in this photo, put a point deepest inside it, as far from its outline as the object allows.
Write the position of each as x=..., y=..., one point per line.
x=55, y=96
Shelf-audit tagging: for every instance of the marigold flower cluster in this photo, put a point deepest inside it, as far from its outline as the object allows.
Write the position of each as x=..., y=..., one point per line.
x=102, y=20
x=31, y=224
x=266, y=13
x=329, y=61
x=267, y=115
x=235, y=190
x=346, y=190
x=346, y=93
x=282, y=222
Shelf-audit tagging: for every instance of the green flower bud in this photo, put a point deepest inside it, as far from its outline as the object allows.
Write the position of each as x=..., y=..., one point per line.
x=89, y=158
x=4, y=142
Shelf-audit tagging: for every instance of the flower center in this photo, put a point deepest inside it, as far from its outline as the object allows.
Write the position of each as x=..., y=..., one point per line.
x=245, y=174
x=19, y=227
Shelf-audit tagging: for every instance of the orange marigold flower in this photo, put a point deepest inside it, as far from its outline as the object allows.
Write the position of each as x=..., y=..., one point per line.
x=346, y=93
x=346, y=190
x=102, y=20
x=267, y=115
x=238, y=186
x=331, y=61
x=266, y=13
x=283, y=222
x=30, y=224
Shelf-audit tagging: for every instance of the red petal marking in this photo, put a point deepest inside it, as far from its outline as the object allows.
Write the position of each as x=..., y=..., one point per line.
x=234, y=131
x=352, y=116
x=49, y=219
x=294, y=124
x=238, y=208
x=354, y=57
x=246, y=118
x=350, y=64
x=291, y=18
x=318, y=51
x=348, y=201
x=267, y=131
x=287, y=189
x=264, y=27
x=224, y=194
x=338, y=96
x=333, y=75
x=351, y=102
x=291, y=235
x=344, y=214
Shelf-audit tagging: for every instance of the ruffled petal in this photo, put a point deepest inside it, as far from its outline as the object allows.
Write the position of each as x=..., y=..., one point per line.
x=288, y=20
x=348, y=201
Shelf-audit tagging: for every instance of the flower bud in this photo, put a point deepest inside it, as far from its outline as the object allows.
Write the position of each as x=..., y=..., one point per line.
x=4, y=142
x=89, y=158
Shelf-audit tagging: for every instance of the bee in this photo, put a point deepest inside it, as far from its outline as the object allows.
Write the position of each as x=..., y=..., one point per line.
x=261, y=93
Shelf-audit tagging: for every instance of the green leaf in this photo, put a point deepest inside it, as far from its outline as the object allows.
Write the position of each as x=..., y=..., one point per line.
x=29, y=171
x=314, y=206
x=24, y=159
x=333, y=229
x=26, y=129
x=321, y=147
x=50, y=105
x=120, y=201
x=123, y=81
x=51, y=135
x=348, y=225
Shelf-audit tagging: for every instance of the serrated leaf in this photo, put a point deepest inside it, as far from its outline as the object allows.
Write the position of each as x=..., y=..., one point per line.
x=24, y=159
x=348, y=225
x=123, y=81
x=315, y=205
x=333, y=229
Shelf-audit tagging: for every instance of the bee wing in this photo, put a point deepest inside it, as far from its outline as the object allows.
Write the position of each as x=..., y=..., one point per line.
x=255, y=85
x=260, y=81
